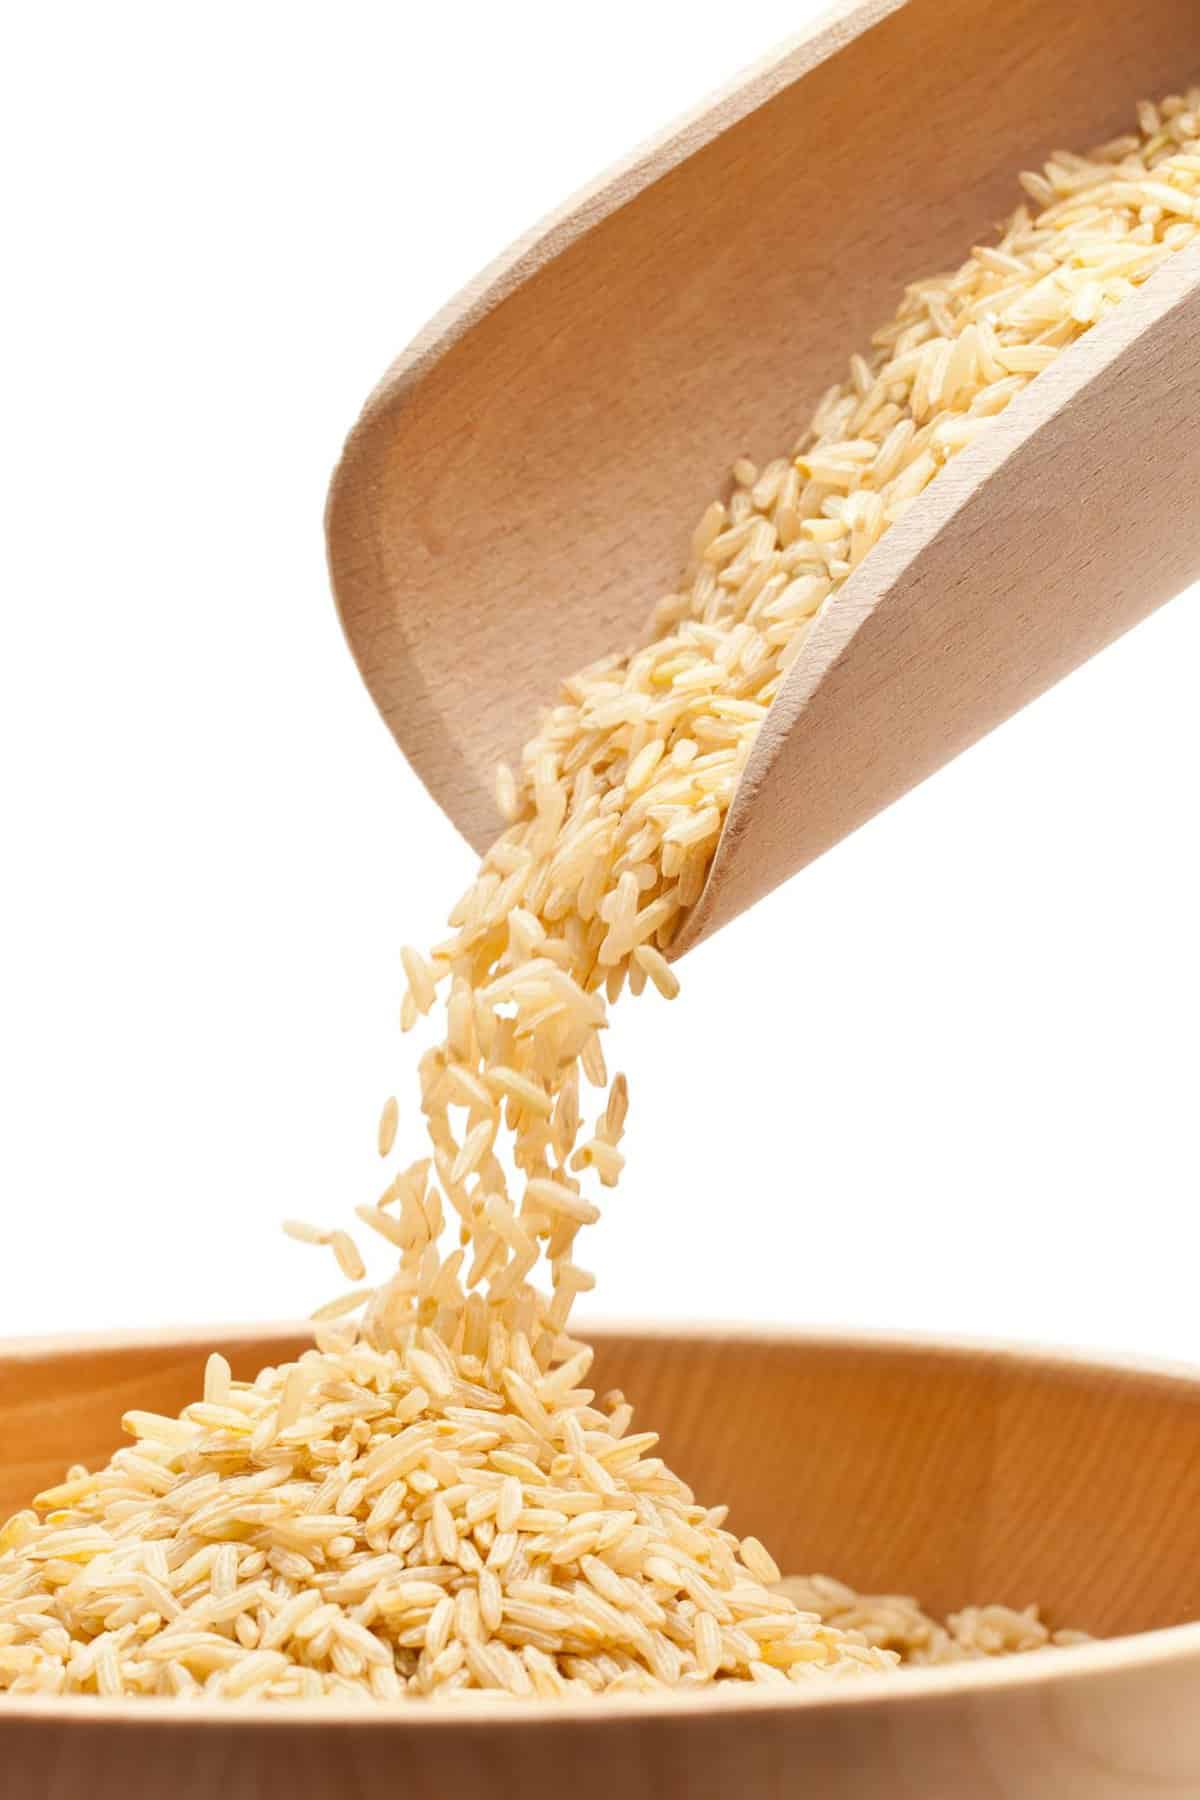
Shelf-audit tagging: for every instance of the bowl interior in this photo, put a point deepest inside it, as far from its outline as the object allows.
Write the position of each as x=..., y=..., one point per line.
x=956, y=1474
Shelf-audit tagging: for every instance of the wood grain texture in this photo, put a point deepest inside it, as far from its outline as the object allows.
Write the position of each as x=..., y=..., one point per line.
x=521, y=485
x=955, y=1472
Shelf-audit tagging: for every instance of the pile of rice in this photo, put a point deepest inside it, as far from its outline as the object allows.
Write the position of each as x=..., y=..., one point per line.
x=432, y=1501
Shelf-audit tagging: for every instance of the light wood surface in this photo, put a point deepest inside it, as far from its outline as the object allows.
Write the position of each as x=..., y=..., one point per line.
x=522, y=483
x=959, y=1473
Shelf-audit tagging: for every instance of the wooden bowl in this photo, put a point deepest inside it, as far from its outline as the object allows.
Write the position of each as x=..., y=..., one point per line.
x=953, y=1472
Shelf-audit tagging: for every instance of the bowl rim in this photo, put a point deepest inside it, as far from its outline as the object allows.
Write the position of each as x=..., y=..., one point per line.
x=1067, y=1666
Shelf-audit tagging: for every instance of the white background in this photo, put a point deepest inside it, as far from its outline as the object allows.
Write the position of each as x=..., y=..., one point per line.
x=944, y=1080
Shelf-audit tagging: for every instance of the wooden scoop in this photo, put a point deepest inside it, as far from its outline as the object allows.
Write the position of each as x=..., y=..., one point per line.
x=521, y=486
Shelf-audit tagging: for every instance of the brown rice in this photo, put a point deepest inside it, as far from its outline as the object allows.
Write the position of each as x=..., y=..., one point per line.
x=432, y=1501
